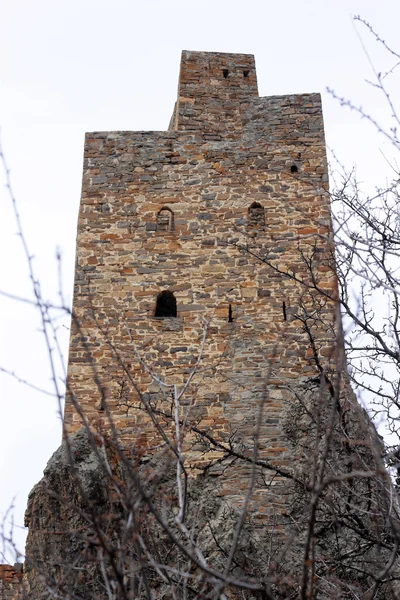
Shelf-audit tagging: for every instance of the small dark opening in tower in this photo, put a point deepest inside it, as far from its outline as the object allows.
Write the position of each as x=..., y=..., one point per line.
x=256, y=215
x=293, y=169
x=225, y=73
x=246, y=73
x=165, y=220
x=103, y=401
x=284, y=311
x=166, y=305
x=230, y=316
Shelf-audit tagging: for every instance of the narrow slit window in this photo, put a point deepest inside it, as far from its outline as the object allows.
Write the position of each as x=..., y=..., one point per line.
x=256, y=215
x=230, y=314
x=284, y=311
x=166, y=305
x=225, y=73
x=165, y=220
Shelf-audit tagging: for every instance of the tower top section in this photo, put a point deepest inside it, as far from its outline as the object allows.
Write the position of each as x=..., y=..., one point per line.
x=213, y=87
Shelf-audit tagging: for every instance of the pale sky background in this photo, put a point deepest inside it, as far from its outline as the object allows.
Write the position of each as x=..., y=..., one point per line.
x=67, y=67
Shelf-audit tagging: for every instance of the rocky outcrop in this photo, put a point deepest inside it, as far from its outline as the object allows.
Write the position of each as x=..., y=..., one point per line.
x=93, y=529
x=68, y=510
x=107, y=525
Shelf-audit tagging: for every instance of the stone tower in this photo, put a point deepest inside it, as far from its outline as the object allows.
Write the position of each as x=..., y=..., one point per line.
x=206, y=358
x=183, y=236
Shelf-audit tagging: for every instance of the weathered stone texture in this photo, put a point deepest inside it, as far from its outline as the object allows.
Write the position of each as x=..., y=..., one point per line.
x=226, y=150
x=86, y=513
x=76, y=512
x=227, y=215
x=74, y=493
x=10, y=582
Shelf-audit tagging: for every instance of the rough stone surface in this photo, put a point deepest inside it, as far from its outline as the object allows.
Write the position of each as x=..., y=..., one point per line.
x=10, y=582
x=63, y=548
x=74, y=493
x=226, y=150
x=87, y=501
x=229, y=211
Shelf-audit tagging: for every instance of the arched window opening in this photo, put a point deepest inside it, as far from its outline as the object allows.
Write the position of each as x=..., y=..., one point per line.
x=166, y=305
x=165, y=220
x=293, y=169
x=225, y=73
x=256, y=216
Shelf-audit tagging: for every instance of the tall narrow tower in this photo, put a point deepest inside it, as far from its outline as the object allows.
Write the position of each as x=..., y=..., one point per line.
x=193, y=256
x=230, y=456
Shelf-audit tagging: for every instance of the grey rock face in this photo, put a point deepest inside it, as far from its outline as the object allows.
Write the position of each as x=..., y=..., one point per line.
x=66, y=511
x=103, y=524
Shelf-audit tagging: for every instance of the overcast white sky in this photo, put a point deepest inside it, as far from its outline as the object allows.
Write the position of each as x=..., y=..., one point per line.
x=82, y=65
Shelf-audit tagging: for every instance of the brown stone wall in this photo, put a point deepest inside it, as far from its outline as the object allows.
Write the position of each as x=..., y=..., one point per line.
x=227, y=150
x=213, y=90
x=10, y=582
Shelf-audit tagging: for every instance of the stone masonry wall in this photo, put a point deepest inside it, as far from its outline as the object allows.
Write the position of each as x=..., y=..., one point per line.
x=227, y=151
x=10, y=582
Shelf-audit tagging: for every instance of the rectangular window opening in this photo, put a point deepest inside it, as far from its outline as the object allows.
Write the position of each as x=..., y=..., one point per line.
x=230, y=315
